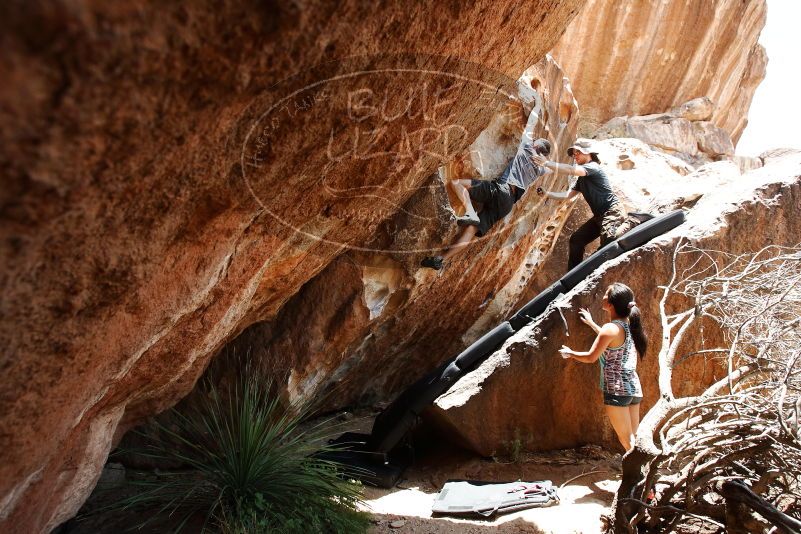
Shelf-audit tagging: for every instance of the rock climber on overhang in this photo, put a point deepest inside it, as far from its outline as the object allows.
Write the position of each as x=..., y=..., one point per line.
x=497, y=197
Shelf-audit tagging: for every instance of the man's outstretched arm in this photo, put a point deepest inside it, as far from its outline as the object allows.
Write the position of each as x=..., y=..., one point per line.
x=569, y=170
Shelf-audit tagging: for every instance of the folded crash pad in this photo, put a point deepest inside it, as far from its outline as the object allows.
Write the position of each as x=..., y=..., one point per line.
x=470, y=497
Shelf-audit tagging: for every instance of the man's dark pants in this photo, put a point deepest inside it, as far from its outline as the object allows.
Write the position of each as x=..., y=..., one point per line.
x=496, y=200
x=605, y=226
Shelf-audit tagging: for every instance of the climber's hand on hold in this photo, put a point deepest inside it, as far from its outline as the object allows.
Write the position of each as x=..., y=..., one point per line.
x=585, y=317
x=565, y=352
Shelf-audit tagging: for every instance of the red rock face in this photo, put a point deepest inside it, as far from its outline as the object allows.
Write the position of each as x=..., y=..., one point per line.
x=133, y=249
x=646, y=57
x=374, y=321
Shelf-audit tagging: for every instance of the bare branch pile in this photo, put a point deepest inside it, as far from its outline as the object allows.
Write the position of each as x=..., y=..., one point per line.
x=729, y=459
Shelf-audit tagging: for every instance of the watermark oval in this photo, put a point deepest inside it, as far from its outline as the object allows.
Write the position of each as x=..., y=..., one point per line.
x=390, y=122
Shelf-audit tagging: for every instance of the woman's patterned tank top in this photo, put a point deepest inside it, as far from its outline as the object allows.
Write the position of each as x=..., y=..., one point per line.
x=619, y=368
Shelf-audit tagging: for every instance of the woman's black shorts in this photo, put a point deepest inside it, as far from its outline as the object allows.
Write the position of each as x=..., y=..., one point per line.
x=620, y=400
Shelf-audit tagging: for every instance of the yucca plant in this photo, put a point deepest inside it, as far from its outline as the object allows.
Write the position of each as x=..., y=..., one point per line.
x=249, y=467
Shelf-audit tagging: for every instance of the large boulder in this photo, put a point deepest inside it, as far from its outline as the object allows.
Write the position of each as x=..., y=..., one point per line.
x=697, y=109
x=682, y=132
x=641, y=58
x=713, y=141
x=526, y=391
x=671, y=134
x=374, y=321
x=173, y=173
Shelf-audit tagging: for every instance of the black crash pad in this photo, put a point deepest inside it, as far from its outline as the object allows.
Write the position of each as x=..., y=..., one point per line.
x=536, y=306
x=650, y=229
x=398, y=418
x=351, y=452
x=403, y=413
x=581, y=271
x=484, y=346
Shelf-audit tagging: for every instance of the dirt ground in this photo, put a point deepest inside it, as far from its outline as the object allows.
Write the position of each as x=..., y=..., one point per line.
x=590, y=476
x=407, y=507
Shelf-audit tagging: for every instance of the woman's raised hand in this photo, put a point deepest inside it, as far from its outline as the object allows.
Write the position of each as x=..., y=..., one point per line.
x=585, y=317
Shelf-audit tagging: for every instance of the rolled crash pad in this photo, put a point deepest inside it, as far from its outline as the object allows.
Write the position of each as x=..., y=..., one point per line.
x=387, y=433
x=536, y=306
x=484, y=346
x=401, y=415
x=350, y=451
x=436, y=387
x=398, y=416
x=469, y=497
x=581, y=271
x=650, y=229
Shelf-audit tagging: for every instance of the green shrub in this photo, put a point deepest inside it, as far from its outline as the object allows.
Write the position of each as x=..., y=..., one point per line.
x=249, y=468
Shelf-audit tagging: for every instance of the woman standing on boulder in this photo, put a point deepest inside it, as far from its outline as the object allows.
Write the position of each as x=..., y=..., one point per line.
x=617, y=344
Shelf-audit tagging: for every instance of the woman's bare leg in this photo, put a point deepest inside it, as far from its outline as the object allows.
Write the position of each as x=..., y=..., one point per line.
x=462, y=190
x=634, y=417
x=621, y=422
x=467, y=235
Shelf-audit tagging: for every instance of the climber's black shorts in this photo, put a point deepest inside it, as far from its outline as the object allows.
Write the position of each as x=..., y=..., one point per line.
x=620, y=400
x=496, y=200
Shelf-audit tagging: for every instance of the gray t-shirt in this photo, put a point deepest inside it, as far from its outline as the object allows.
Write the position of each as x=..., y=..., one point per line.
x=522, y=171
x=596, y=189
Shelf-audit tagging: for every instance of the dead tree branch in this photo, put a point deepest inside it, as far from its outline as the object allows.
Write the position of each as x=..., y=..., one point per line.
x=734, y=448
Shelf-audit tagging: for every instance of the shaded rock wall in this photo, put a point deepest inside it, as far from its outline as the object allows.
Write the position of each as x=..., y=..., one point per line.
x=132, y=247
x=558, y=403
x=373, y=321
x=641, y=58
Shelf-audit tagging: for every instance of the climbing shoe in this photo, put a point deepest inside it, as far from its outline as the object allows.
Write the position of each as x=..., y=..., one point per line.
x=467, y=220
x=432, y=262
